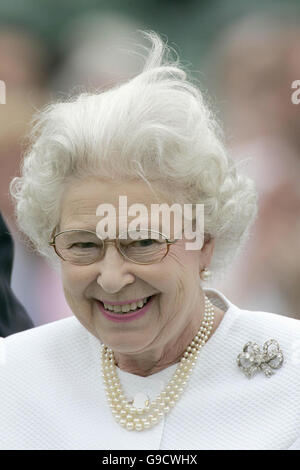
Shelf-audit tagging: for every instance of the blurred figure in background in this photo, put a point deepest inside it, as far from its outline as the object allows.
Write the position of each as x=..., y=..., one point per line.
x=13, y=317
x=22, y=63
x=24, y=68
x=95, y=48
x=254, y=65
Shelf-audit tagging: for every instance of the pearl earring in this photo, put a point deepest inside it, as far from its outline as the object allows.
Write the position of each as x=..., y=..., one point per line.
x=205, y=274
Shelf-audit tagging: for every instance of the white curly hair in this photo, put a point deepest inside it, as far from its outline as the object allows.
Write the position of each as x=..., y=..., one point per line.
x=156, y=127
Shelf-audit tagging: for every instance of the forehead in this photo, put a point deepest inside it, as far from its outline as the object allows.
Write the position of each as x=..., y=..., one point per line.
x=82, y=198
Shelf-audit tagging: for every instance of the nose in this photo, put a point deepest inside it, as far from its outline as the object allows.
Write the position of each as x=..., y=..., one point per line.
x=114, y=273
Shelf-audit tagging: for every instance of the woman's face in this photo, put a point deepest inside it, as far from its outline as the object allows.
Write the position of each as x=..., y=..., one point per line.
x=174, y=282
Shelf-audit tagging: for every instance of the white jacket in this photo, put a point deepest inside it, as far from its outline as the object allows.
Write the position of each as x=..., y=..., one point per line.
x=52, y=394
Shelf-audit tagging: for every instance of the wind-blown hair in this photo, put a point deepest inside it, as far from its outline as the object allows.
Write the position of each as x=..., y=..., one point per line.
x=155, y=126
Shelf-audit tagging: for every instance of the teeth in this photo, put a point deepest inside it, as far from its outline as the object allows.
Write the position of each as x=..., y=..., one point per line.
x=116, y=308
x=125, y=308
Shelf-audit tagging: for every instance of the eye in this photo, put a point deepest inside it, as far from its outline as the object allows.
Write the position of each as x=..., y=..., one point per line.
x=145, y=243
x=83, y=245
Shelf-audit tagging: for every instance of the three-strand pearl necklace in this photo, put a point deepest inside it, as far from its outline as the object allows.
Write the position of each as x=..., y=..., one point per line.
x=138, y=419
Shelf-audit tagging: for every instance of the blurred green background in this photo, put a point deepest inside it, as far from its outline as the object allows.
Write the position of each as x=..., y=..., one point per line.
x=191, y=24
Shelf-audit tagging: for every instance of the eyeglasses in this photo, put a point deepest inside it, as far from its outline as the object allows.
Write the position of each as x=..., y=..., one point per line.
x=83, y=247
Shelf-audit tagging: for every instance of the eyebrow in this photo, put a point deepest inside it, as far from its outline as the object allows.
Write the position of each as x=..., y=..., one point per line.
x=91, y=228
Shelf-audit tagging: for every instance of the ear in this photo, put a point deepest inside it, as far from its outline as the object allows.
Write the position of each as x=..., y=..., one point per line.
x=206, y=252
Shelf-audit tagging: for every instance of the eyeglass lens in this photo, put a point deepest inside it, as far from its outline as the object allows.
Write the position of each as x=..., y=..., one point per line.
x=83, y=247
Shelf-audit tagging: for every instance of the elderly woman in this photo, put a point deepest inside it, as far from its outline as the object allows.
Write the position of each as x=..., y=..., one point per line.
x=151, y=358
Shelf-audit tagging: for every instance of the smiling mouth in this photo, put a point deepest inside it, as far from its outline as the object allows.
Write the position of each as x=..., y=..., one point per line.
x=126, y=309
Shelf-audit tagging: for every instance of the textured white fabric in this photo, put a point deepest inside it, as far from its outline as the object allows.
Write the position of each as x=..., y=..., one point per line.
x=52, y=394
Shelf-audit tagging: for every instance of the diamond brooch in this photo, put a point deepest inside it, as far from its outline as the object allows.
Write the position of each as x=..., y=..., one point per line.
x=253, y=359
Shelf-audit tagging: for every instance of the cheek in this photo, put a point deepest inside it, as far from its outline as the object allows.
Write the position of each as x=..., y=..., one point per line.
x=183, y=275
x=192, y=263
x=184, y=264
x=75, y=279
x=176, y=277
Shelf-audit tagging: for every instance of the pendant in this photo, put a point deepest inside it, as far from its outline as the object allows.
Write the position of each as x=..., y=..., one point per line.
x=140, y=400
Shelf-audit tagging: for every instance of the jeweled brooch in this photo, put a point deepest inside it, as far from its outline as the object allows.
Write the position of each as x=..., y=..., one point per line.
x=253, y=359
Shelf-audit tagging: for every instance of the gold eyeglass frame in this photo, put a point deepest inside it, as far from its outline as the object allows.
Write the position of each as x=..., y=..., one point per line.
x=114, y=242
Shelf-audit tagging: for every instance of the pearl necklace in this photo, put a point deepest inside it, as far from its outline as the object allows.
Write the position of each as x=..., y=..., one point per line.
x=138, y=419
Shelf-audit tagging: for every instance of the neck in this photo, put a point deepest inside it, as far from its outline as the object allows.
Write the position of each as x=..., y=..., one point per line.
x=152, y=361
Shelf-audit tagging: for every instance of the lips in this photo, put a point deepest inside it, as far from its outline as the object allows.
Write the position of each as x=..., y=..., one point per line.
x=124, y=317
